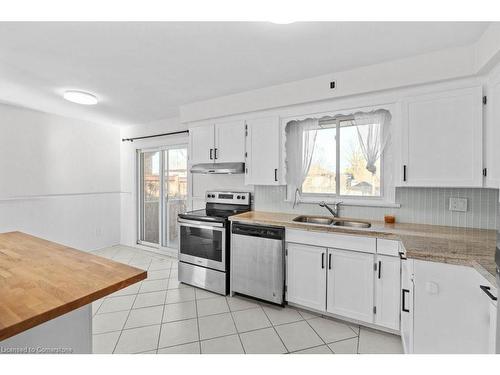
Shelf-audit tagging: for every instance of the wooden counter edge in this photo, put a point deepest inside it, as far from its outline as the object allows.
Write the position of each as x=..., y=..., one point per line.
x=36, y=320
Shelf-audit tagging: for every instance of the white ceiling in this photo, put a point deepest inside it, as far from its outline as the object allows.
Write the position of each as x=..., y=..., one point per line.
x=144, y=71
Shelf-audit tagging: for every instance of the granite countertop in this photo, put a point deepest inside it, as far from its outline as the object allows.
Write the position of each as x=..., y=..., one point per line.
x=454, y=245
x=41, y=280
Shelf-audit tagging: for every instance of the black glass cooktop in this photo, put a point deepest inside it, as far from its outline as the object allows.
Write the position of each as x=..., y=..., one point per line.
x=217, y=213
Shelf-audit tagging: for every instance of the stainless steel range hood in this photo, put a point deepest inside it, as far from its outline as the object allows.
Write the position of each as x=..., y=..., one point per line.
x=218, y=168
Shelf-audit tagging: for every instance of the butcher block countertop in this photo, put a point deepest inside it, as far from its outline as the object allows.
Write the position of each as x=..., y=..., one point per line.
x=454, y=245
x=41, y=280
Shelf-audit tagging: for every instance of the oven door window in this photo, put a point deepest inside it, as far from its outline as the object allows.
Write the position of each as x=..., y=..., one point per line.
x=201, y=242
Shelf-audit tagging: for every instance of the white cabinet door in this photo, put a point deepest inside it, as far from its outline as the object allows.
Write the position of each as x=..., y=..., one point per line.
x=350, y=284
x=492, y=343
x=306, y=276
x=201, y=144
x=230, y=142
x=407, y=305
x=442, y=139
x=492, y=136
x=263, y=151
x=387, y=287
x=451, y=313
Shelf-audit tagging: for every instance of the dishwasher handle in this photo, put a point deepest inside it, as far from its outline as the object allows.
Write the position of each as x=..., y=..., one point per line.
x=274, y=233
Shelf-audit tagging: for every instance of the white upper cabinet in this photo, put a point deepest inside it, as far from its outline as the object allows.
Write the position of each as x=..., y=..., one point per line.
x=442, y=139
x=306, y=276
x=263, y=151
x=218, y=143
x=350, y=284
x=201, y=144
x=230, y=142
x=492, y=136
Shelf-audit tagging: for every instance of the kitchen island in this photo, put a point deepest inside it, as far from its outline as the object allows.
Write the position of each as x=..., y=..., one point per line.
x=46, y=292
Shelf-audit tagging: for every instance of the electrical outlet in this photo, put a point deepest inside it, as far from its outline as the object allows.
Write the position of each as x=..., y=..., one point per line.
x=458, y=204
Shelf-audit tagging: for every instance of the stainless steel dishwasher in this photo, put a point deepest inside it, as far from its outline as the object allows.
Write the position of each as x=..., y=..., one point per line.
x=258, y=262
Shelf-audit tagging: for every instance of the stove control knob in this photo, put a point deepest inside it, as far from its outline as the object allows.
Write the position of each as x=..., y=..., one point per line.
x=238, y=197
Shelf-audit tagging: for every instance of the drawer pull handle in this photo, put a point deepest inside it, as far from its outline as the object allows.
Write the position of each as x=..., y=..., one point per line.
x=486, y=289
x=403, y=307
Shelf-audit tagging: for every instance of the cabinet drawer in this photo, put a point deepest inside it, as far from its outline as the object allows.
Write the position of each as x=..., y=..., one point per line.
x=332, y=240
x=388, y=247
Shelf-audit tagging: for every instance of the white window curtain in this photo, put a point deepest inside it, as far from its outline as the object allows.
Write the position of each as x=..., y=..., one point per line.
x=373, y=134
x=300, y=141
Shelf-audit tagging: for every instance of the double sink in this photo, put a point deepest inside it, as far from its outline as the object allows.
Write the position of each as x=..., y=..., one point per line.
x=322, y=220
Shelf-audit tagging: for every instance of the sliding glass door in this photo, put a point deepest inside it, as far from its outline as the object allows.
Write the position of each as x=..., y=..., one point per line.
x=149, y=193
x=162, y=194
x=175, y=192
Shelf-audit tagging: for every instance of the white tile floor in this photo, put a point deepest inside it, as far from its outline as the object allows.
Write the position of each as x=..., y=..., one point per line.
x=160, y=315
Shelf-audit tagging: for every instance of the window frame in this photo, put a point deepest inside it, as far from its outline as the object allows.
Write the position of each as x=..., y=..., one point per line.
x=329, y=197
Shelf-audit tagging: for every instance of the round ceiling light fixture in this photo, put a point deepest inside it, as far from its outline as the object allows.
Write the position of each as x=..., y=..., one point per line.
x=80, y=97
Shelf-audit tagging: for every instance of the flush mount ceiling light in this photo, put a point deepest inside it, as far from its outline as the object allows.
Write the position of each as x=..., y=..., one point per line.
x=80, y=97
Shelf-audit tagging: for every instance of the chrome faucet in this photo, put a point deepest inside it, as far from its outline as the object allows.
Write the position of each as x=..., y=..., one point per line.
x=334, y=211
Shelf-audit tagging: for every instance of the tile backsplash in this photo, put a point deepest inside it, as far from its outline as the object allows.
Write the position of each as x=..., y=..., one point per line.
x=418, y=205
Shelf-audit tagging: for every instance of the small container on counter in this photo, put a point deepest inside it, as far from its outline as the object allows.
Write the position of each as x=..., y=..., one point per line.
x=390, y=219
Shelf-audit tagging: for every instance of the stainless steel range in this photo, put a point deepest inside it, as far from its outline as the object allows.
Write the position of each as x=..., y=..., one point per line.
x=204, y=240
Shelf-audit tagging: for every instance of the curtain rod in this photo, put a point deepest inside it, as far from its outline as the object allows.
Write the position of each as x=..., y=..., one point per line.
x=153, y=136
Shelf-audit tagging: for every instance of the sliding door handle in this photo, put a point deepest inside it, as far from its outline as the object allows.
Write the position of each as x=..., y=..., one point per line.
x=403, y=302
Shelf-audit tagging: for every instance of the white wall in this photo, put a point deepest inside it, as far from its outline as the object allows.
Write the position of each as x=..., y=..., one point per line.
x=60, y=178
x=444, y=65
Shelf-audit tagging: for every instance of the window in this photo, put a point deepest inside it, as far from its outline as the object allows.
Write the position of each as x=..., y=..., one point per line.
x=338, y=164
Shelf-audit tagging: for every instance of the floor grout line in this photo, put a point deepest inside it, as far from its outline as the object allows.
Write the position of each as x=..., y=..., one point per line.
x=235, y=327
x=197, y=321
x=272, y=325
x=161, y=321
x=312, y=347
x=119, y=337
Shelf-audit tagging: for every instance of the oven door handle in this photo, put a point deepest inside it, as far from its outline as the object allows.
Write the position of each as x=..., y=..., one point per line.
x=201, y=223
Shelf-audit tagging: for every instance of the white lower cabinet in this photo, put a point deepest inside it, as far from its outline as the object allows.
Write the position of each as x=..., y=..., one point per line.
x=407, y=291
x=344, y=276
x=350, y=284
x=451, y=313
x=306, y=276
x=387, y=287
